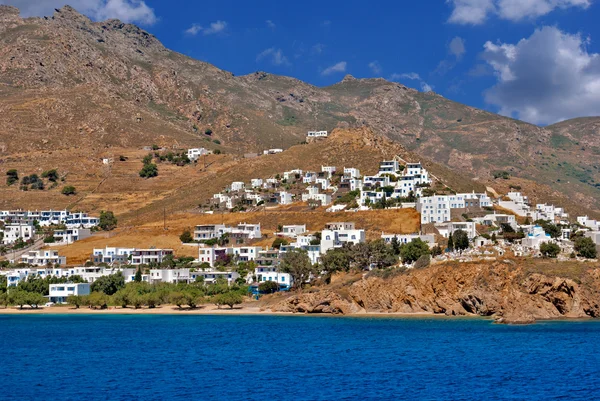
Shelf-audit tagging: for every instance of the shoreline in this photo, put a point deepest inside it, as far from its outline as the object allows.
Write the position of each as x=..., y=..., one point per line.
x=212, y=310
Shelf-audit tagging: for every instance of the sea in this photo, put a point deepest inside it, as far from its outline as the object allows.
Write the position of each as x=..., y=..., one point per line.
x=167, y=357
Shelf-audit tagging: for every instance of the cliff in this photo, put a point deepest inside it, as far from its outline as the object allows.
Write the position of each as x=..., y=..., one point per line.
x=507, y=290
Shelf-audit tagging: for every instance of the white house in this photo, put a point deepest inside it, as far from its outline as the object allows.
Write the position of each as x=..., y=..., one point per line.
x=445, y=229
x=351, y=172
x=110, y=255
x=585, y=221
x=211, y=276
x=389, y=167
x=317, y=134
x=43, y=258
x=272, y=151
x=286, y=198
x=434, y=209
x=256, y=182
x=534, y=238
x=150, y=255
x=70, y=235
x=293, y=230
x=429, y=239
x=169, y=276
x=314, y=194
x=195, y=153
x=58, y=293
x=80, y=220
x=338, y=234
x=237, y=186
x=14, y=231
x=209, y=231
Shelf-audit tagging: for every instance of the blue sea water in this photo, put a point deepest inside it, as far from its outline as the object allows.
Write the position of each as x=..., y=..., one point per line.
x=165, y=357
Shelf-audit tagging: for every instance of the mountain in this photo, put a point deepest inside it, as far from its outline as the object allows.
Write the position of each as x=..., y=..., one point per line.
x=70, y=86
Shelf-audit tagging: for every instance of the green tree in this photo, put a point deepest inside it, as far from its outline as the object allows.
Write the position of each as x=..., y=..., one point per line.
x=68, y=190
x=4, y=299
x=186, y=236
x=586, y=248
x=217, y=151
x=51, y=175
x=149, y=170
x=395, y=245
x=75, y=300
x=12, y=176
x=98, y=300
x=35, y=299
x=436, y=251
x=493, y=238
x=109, y=285
x=108, y=221
x=297, y=263
x=413, y=250
x=335, y=260
x=138, y=275
x=381, y=254
x=208, y=131
x=461, y=240
x=230, y=298
x=450, y=242
x=178, y=298
x=277, y=242
x=268, y=287
x=549, y=249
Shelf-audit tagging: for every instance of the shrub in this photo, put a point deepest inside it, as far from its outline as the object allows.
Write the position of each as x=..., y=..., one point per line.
x=217, y=152
x=549, y=249
x=108, y=221
x=208, y=131
x=186, y=236
x=51, y=175
x=12, y=176
x=68, y=190
x=277, y=242
x=217, y=141
x=149, y=170
x=586, y=248
x=268, y=287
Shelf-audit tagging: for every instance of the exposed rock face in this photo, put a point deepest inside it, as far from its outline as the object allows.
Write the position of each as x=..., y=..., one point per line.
x=501, y=290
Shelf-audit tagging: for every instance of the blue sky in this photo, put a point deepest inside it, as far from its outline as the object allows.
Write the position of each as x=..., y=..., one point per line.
x=531, y=59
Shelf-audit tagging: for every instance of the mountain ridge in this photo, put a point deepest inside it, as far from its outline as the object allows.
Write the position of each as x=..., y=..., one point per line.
x=67, y=82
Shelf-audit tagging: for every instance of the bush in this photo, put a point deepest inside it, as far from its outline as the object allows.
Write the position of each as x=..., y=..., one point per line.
x=229, y=298
x=149, y=170
x=217, y=151
x=217, y=141
x=549, y=249
x=122, y=158
x=186, y=236
x=108, y=221
x=505, y=175
x=49, y=240
x=12, y=176
x=51, y=175
x=268, y=287
x=208, y=131
x=413, y=250
x=68, y=190
x=277, y=242
x=586, y=248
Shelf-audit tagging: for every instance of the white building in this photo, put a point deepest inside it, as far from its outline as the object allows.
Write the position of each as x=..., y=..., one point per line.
x=594, y=235
x=211, y=276
x=389, y=167
x=272, y=151
x=286, y=198
x=237, y=186
x=169, y=276
x=195, y=153
x=535, y=237
x=111, y=255
x=150, y=255
x=314, y=194
x=80, y=220
x=434, y=209
x=329, y=170
x=43, y=258
x=445, y=229
x=429, y=239
x=337, y=234
x=256, y=182
x=497, y=219
x=70, y=235
x=58, y=293
x=317, y=134
x=12, y=232
x=293, y=231
x=351, y=172
x=585, y=221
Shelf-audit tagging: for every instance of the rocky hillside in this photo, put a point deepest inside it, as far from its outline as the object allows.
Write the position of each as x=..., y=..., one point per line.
x=69, y=83
x=509, y=291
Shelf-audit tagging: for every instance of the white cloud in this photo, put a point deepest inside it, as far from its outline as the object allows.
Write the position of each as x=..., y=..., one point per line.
x=134, y=11
x=375, y=67
x=407, y=75
x=194, y=30
x=425, y=87
x=412, y=76
x=270, y=24
x=275, y=55
x=470, y=11
x=457, y=47
x=475, y=12
x=215, y=27
x=545, y=78
x=338, y=67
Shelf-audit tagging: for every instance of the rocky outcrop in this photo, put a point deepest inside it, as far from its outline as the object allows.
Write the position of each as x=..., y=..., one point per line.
x=502, y=290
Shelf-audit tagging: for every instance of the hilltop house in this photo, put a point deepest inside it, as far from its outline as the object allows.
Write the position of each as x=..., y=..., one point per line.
x=12, y=232
x=43, y=258
x=111, y=255
x=195, y=153
x=335, y=235
x=150, y=255
x=70, y=235
x=429, y=239
x=316, y=134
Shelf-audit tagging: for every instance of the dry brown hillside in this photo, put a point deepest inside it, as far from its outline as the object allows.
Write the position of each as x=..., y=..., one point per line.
x=83, y=90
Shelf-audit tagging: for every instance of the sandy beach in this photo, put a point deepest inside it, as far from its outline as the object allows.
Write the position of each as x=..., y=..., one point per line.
x=202, y=310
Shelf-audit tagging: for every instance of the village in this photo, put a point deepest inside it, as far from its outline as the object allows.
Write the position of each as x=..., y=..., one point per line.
x=453, y=227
